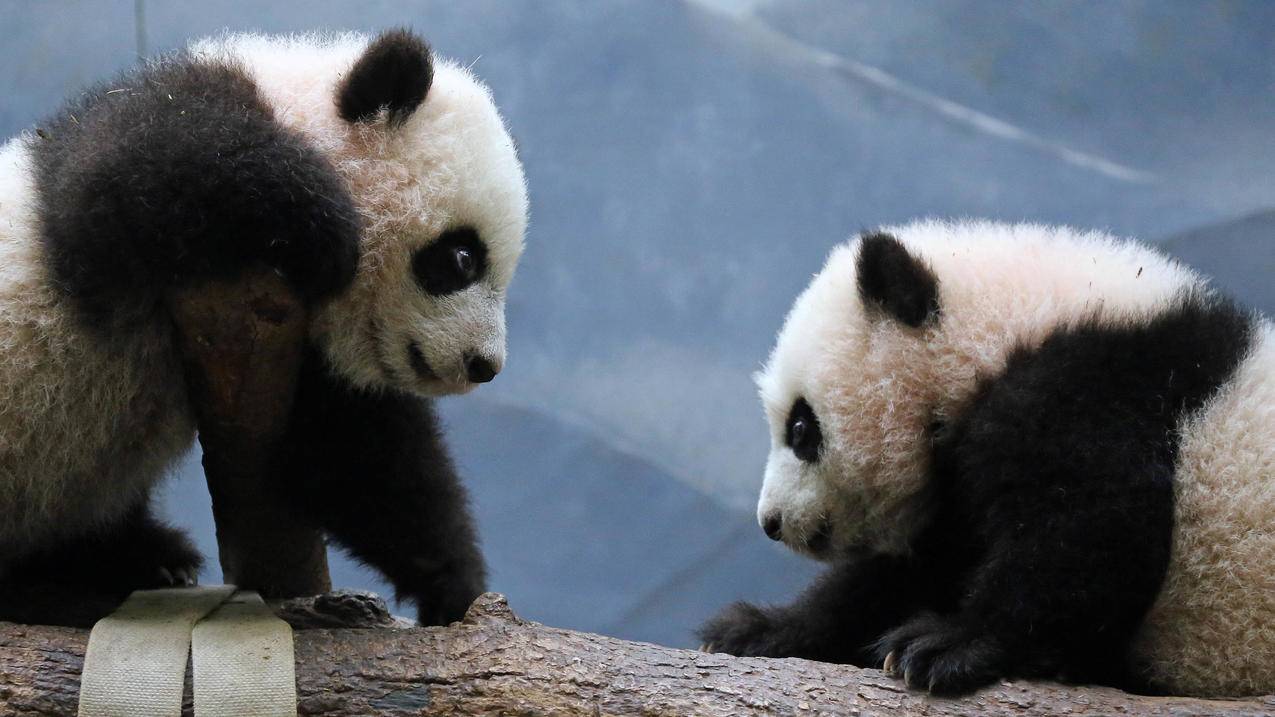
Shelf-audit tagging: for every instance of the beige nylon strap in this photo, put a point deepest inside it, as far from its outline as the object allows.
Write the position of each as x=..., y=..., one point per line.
x=136, y=659
x=243, y=662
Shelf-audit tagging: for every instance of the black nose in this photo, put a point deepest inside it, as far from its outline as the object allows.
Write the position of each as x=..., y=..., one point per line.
x=479, y=369
x=773, y=525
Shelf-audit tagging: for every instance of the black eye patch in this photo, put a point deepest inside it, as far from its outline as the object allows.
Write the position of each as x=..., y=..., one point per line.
x=453, y=261
x=802, y=433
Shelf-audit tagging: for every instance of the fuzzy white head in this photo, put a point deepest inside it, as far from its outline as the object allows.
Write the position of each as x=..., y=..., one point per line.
x=437, y=181
x=890, y=341
x=847, y=405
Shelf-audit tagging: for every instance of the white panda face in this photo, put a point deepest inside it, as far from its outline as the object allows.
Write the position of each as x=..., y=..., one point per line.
x=848, y=401
x=444, y=204
x=434, y=314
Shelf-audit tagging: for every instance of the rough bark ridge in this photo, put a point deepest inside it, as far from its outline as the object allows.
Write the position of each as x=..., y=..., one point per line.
x=495, y=663
x=242, y=343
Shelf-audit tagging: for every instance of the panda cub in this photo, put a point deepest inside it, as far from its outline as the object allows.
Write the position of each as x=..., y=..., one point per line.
x=1025, y=451
x=379, y=181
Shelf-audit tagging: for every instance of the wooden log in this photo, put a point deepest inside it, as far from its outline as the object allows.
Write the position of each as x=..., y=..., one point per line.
x=242, y=343
x=495, y=663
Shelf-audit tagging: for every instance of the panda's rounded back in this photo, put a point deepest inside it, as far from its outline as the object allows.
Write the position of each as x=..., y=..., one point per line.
x=1008, y=287
x=1005, y=287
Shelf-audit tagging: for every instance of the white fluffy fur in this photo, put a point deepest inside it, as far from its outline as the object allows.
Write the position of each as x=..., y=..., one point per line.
x=1212, y=630
x=875, y=385
x=84, y=430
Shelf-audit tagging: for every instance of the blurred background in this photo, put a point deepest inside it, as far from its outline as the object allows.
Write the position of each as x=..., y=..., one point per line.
x=691, y=163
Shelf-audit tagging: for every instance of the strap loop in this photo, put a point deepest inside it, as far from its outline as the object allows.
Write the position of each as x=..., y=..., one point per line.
x=135, y=664
x=243, y=661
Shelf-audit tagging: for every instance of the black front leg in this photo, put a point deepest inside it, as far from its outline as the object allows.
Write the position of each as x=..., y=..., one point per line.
x=1075, y=541
x=1061, y=590
x=838, y=618
x=372, y=470
x=1063, y=470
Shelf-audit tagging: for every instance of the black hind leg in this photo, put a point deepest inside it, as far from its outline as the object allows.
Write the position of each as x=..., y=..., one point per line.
x=137, y=552
x=79, y=580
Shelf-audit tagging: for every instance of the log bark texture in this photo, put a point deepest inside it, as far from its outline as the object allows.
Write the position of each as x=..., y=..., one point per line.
x=242, y=344
x=495, y=663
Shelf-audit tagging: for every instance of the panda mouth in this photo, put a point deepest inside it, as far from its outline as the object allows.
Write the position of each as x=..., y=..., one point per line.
x=820, y=540
x=416, y=358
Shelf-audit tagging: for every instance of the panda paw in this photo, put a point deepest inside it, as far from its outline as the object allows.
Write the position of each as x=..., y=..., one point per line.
x=142, y=554
x=744, y=630
x=439, y=609
x=449, y=593
x=178, y=577
x=941, y=655
x=171, y=561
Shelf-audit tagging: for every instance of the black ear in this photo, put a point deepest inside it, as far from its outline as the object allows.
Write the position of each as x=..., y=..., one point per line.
x=894, y=280
x=394, y=72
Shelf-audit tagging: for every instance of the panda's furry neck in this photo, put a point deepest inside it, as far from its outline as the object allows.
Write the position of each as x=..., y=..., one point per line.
x=1005, y=289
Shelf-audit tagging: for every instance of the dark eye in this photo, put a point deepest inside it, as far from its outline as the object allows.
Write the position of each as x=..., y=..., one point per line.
x=465, y=265
x=803, y=435
x=453, y=261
